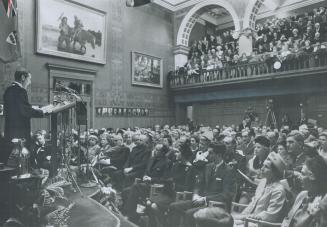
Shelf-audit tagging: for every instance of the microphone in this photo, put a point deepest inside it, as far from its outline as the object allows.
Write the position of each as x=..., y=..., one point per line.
x=66, y=88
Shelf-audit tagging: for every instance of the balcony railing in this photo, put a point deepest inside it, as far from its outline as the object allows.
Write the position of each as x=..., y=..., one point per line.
x=251, y=71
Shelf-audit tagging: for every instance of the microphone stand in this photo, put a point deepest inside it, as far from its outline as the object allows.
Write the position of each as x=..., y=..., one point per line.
x=88, y=184
x=66, y=164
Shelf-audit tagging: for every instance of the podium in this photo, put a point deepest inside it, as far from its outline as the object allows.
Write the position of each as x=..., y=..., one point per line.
x=63, y=120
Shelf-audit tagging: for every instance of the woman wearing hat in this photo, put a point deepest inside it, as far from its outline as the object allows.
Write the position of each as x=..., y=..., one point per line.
x=261, y=151
x=269, y=201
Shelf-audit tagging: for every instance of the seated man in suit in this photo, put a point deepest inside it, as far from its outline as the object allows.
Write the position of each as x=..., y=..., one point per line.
x=269, y=201
x=181, y=179
x=216, y=183
x=113, y=159
x=135, y=165
x=117, y=155
x=157, y=171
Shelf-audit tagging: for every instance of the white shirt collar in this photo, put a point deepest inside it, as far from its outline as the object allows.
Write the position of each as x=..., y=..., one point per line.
x=19, y=84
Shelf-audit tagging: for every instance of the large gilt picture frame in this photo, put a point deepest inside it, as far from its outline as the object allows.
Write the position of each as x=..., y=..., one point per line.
x=71, y=30
x=147, y=70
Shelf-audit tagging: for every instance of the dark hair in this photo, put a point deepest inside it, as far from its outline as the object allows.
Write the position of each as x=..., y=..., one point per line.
x=186, y=151
x=318, y=167
x=251, y=132
x=168, y=137
x=164, y=149
x=19, y=74
x=282, y=143
x=218, y=148
x=195, y=137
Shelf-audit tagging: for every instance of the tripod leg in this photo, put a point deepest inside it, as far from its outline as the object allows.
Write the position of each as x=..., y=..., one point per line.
x=274, y=119
x=73, y=179
x=267, y=117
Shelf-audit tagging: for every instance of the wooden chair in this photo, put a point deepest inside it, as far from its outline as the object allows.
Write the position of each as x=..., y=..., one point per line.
x=261, y=223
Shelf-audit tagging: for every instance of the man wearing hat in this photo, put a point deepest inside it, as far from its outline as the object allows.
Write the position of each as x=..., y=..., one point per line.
x=216, y=183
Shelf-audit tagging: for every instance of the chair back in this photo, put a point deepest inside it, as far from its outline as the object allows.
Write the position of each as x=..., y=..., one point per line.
x=155, y=191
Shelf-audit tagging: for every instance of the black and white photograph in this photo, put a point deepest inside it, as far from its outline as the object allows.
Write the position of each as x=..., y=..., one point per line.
x=163, y=113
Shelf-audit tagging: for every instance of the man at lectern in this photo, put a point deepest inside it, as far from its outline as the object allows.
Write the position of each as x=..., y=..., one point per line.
x=18, y=111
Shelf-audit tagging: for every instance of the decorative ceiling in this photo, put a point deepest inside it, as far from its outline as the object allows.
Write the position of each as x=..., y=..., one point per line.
x=175, y=5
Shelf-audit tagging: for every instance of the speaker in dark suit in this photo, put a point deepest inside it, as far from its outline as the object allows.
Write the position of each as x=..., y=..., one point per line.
x=17, y=109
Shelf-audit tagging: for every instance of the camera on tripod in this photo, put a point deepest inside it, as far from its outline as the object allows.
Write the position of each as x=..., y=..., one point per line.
x=270, y=104
x=270, y=117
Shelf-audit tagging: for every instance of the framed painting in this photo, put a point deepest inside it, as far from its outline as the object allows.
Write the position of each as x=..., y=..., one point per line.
x=71, y=30
x=147, y=70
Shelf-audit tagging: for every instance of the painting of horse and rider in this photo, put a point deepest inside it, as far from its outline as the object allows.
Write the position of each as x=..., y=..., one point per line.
x=71, y=30
x=74, y=39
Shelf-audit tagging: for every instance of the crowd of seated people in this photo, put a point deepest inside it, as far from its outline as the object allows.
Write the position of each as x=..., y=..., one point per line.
x=282, y=166
x=277, y=39
x=212, y=52
x=201, y=171
x=292, y=33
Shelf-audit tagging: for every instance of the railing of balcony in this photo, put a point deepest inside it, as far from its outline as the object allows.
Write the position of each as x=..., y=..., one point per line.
x=267, y=66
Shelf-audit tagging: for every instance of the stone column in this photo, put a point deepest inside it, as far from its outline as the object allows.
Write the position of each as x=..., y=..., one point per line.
x=181, y=53
x=245, y=43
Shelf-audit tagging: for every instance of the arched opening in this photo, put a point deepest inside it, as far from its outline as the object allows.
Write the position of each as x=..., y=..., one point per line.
x=196, y=12
x=251, y=13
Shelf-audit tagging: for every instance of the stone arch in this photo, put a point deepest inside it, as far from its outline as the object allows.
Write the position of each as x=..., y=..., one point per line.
x=251, y=13
x=191, y=17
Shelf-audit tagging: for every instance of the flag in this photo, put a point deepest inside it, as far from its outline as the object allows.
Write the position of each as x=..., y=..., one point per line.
x=12, y=38
x=10, y=49
x=10, y=7
x=135, y=3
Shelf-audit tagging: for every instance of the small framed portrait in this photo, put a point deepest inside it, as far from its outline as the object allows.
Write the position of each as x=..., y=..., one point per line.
x=120, y=111
x=115, y=111
x=147, y=70
x=104, y=112
x=98, y=111
x=125, y=111
x=1, y=109
x=142, y=112
x=134, y=112
x=138, y=112
x=129, y=112
x=109, y=111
